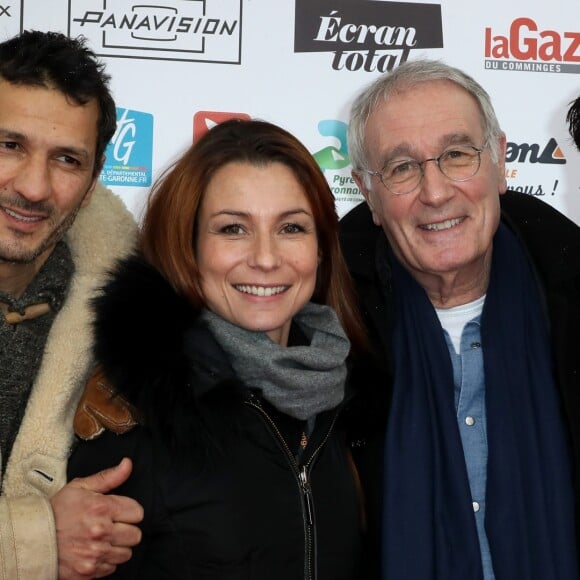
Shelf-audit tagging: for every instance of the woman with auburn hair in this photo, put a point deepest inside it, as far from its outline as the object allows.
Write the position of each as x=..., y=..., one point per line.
x=222, y=350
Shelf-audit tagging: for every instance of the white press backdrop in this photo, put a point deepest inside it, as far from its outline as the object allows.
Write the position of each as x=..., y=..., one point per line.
x=178, y=66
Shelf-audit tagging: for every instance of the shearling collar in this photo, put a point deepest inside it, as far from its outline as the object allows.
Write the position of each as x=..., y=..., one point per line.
x=102, y=232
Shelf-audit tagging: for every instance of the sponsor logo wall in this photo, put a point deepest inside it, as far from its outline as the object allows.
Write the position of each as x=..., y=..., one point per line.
x=179, y=67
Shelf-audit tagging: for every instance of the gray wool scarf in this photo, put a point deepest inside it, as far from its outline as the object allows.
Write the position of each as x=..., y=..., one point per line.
x=300, y=381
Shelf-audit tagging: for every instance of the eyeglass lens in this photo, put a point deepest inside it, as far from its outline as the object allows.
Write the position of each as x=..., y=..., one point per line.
x=459, y=164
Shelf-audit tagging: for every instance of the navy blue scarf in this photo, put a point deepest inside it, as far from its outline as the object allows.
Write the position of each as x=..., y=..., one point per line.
x=429, y=526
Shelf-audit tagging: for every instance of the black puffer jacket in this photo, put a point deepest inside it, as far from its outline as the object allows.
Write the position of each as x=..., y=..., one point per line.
x=215, y=469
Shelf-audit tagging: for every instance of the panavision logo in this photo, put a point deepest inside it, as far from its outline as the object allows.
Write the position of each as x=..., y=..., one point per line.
x=365, y=34
x=188, y=30
x=526, y=47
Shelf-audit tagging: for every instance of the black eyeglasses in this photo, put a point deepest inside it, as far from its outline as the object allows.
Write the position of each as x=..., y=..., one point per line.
x=402, y=176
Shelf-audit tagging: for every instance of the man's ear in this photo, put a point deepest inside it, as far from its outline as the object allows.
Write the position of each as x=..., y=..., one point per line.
x=367, y=194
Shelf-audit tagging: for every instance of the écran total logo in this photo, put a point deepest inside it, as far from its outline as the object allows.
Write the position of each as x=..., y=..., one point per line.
x=365, y=34
x=181, y=30
x=527, y=47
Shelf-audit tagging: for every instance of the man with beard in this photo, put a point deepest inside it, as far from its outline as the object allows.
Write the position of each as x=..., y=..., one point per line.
x=60, y=231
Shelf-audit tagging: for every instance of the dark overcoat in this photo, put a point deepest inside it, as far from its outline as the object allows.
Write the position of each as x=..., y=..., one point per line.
x=553, y=245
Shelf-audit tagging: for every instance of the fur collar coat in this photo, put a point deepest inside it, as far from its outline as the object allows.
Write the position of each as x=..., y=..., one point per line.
x=102, y=232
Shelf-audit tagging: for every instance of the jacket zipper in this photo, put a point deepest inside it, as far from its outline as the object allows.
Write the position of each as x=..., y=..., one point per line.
x=302, y=474
x=310, y=571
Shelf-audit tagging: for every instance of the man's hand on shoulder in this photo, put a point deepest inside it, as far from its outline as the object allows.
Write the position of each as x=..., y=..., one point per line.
x=95, y=532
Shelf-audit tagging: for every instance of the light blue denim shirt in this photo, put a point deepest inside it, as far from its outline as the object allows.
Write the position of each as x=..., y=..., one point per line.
x=469, y=381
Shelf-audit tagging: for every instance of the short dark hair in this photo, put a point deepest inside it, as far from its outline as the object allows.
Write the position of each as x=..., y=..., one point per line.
x=573, y=120
x=169, y=226
x=52, y=59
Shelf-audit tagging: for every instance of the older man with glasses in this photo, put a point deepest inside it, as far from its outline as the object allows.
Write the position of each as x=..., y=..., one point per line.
x=468, y=443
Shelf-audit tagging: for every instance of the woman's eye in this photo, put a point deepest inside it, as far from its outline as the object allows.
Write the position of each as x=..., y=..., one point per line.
x=234, y=229
x=292, y=229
